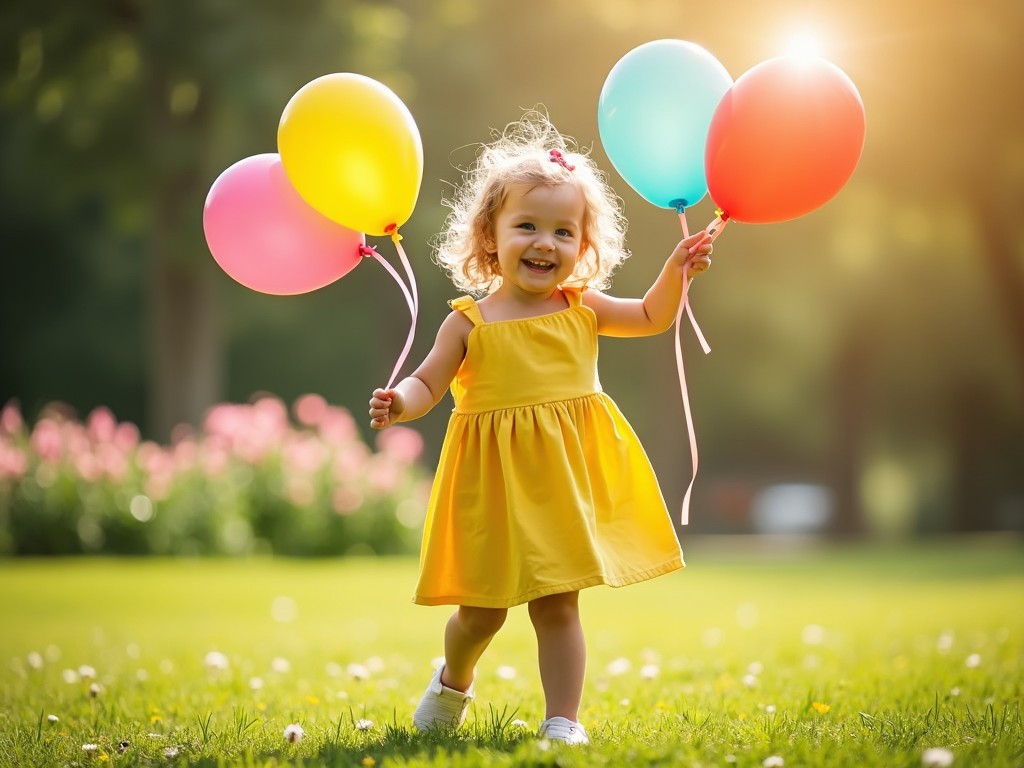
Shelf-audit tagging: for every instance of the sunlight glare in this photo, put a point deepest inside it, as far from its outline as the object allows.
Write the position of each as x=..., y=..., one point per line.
x=804, y=42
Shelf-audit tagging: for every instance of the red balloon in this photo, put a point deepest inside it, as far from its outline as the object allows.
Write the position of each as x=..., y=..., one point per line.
x=784, y=139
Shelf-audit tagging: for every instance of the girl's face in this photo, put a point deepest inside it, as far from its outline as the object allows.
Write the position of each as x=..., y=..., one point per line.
x=538, y=236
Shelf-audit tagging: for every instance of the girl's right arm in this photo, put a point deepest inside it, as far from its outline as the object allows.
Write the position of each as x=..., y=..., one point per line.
x=414, y=396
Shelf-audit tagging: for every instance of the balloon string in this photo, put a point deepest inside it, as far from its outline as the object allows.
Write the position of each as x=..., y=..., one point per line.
x=684, y=304
x=411, y=301
x=397, y=240
x=682, y=222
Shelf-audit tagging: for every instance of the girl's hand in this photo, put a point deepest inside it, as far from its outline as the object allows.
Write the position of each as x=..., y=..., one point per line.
x=385, y=408
x=694, y=252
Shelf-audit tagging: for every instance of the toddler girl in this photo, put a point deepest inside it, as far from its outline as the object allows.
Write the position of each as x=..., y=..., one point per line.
x=542, y=487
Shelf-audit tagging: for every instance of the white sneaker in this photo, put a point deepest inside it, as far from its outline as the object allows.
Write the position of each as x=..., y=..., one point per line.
x=564, y=730
x=441, y=706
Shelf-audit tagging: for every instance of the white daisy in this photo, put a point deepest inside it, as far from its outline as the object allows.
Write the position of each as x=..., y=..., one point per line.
x=364, y=725
x=505, y=672
x=813, y=634
x=650, y=671
x=937, y=757
x=619, y=666
x=358, y=671
x=294, y=733
x=215, y=660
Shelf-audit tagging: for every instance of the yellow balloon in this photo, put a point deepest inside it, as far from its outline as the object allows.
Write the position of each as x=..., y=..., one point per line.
x=351, y=149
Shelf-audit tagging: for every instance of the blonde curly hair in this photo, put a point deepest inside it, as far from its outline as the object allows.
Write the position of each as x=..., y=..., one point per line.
x=521, y=154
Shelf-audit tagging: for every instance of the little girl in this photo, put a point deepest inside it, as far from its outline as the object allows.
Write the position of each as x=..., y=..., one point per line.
x=542, y=487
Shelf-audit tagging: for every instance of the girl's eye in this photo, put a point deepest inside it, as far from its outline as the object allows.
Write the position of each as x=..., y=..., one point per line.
x=563, y=233
x=527, y=226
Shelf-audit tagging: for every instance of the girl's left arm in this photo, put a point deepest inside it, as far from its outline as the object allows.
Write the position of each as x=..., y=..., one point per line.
x=656, y=311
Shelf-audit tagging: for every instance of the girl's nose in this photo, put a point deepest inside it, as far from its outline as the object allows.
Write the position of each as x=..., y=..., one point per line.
x=544, y=242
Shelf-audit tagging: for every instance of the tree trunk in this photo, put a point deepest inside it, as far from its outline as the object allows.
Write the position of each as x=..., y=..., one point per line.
x=1001, y=253
x=976, y=447
x=973, y=484
x=851, y=419
x=184, y=358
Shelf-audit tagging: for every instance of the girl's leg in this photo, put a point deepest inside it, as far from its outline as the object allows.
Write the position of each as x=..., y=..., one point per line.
x=562, y=652
x=469, y=632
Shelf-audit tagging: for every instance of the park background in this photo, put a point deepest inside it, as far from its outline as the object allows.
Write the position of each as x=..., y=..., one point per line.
x=873, y=349
x=868, y=361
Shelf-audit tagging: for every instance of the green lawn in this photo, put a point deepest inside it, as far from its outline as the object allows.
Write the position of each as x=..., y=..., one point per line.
x=836, y=656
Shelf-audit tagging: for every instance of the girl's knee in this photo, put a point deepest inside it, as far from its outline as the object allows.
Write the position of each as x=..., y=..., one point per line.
x=555, y=609
x=481, y=622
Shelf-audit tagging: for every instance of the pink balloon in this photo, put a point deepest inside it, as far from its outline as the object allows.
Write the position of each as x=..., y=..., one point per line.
x=265, y=236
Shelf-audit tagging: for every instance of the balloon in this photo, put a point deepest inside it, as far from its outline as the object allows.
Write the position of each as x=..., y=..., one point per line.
x=784, y=139
x=653, y=117
x=267, y=237
x=352, y=150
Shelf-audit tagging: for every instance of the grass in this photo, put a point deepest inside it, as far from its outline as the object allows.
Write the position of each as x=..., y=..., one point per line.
x=823, y=656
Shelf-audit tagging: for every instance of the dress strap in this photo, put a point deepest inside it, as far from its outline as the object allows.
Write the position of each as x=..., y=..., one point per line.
x=467, y=306
x=573, y=294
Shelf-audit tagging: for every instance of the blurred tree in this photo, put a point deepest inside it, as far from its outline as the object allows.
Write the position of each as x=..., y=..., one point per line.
x=131, y=108
x=842, y=340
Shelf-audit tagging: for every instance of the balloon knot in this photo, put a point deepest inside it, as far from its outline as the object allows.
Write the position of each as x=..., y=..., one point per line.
x=390, y=228
x=722, y=215
x=679, y=204
x=365, y=250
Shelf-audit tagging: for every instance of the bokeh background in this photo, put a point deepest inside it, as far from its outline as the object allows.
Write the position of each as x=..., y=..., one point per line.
x=867, y=373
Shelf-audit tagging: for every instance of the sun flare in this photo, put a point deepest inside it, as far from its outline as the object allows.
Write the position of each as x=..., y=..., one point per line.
x=804, y=42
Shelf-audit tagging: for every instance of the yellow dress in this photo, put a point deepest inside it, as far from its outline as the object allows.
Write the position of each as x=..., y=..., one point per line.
x=542, y=486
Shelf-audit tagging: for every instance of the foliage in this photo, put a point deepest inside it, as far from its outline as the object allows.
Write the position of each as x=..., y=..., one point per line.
x=836, y=657
x=249, y=481
x=116, y=116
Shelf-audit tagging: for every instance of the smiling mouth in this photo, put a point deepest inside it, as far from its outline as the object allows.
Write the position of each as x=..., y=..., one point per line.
x=538, y=266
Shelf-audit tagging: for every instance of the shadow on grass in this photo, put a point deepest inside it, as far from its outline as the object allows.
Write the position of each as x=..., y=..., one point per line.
x=495, y=731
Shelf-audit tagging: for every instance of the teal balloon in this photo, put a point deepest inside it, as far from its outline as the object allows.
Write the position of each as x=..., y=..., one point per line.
x=653, y=118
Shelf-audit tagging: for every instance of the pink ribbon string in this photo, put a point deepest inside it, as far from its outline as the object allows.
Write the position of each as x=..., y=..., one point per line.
x=411, y=297
x=414, y=305
x=684, y=304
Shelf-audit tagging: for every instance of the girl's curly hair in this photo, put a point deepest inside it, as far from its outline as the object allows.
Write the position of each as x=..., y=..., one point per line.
x=522, y=154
